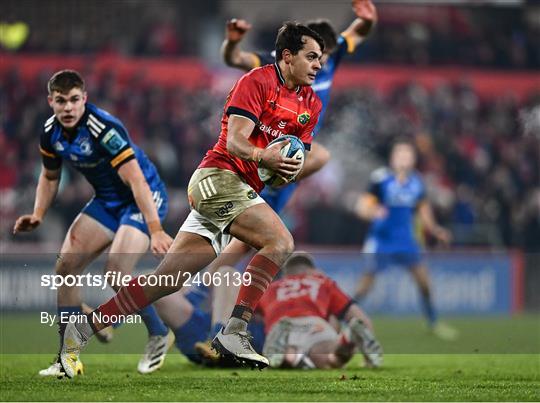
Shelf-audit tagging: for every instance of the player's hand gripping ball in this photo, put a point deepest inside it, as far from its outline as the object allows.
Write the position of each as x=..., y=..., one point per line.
x=294, y=149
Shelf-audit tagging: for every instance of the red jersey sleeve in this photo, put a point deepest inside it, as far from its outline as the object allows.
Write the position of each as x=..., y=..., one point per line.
x=306, y=134
x=339, y=301
x=247, y=97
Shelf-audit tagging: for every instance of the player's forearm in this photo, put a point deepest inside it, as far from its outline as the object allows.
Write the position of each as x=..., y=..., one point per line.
x=234, y=56
x=366, y=207
x=315, y=160
x=427, y=219
x=230, y=52
x=46, y=191
x=238, y=144
x=145, y=203
x=243, y=149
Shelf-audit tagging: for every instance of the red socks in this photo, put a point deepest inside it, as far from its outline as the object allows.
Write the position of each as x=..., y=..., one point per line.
x=262, y=271
x=128, y=300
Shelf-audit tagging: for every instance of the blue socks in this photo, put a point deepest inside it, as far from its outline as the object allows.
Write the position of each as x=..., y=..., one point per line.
x=428, y=308
x=191, y=332
x=153, y=322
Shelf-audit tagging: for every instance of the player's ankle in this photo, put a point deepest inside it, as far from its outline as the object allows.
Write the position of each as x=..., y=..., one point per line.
x=235, y=325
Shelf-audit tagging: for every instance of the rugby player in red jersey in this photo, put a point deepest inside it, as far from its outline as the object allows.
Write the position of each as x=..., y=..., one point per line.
x=264, y=104
x=297, y=310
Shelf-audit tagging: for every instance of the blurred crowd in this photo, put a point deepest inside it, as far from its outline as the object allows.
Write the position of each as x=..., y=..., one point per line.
x=481, y=163
x=502, y=37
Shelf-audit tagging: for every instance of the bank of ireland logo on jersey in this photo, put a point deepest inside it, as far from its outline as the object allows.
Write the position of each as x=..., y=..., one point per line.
x=113, y=142
x=304, y=118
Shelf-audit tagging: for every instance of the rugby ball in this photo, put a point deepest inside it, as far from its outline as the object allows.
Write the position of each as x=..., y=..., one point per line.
x=294, y=149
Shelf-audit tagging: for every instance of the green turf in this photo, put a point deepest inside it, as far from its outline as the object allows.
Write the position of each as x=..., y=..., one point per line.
x=459, y=371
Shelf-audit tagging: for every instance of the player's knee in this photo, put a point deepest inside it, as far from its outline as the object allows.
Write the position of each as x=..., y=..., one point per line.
x=65, y=264
x=284, y=246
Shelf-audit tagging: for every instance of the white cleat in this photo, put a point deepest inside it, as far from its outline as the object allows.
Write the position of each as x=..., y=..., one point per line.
x=155, y=353
x=56, y=370
x=445, y=332
x=103, y=336
x=364, y=338
x=239, y=347
x=72, y=345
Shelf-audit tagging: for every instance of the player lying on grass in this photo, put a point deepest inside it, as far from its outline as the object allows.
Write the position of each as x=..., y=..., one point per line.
x=301, y=311
x=125, y=214
x=391, y=202
x=296, y=311
x=223, y=195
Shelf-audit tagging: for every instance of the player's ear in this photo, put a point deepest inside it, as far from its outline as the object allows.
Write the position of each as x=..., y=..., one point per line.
x=50, y=100
x=287, y=56
x=84, y=96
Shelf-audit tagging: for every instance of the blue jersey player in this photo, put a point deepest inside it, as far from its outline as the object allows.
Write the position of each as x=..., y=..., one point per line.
x=125, y=213
x=394, y=197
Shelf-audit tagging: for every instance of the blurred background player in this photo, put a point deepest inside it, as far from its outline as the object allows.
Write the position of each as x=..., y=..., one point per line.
x=391, y=202
x=125, y=213
x=296, y=311
x=222, y=194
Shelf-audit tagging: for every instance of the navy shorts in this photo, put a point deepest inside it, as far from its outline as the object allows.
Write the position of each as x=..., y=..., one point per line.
x=401, y=259
x=380, y=258
x=129, y=214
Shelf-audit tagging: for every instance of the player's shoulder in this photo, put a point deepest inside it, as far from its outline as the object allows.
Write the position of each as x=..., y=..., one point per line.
x=417, y=178
x=259, y=76
x=49, y=125
x=380, y=175
x=99, y=121
x=311, y=97
x=265, y=72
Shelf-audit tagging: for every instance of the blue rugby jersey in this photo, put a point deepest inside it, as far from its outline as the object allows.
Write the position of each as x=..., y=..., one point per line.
x=100, y=145
x=395, y=232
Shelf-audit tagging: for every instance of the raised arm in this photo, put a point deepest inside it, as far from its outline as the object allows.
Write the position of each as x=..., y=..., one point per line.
x=366, y=18
x=232, y=54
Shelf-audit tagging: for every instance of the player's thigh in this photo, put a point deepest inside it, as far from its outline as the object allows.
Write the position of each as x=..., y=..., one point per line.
x=420, y=274
x=260, y=226
x=84, y=241
x=189, y=252
x=128, y=246
x=231, y=255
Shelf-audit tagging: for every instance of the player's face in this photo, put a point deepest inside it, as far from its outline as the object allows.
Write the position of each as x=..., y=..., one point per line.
x=326, y=54
x=403, y=158
x=68, y=107
x=306, y=63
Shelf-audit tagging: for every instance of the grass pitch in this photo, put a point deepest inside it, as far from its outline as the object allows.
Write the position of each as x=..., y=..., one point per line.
x=495, y=359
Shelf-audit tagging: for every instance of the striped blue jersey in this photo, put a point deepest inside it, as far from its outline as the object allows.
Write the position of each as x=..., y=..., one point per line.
x=99, y=146
x=325, y=77
x=395, y=232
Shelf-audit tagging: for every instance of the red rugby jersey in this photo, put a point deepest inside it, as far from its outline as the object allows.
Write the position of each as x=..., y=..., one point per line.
x=307, y=294
x=262, y=97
